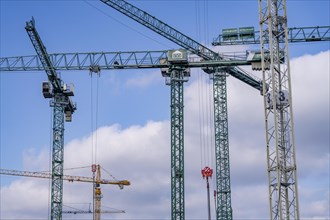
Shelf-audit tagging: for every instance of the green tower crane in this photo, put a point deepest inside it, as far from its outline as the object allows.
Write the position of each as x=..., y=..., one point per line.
x=223, y=191
x=62, y=104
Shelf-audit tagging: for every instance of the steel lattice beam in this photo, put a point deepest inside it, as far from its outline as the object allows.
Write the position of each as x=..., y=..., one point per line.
x=177, y=144
x=295, y=35
x=223, y=189
x=119, y=60
x=57, y=158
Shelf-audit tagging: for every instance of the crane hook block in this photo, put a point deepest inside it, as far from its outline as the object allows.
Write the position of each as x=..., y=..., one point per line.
x=207, y=172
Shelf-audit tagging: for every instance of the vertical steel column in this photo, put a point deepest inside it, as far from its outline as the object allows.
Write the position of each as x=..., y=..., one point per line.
x=281, y=156
x=223, y=192
x=58, y=105
x=177, y=149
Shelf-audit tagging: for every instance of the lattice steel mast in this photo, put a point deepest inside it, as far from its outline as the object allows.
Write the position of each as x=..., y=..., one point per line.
x=61, y=104
x=281, y=155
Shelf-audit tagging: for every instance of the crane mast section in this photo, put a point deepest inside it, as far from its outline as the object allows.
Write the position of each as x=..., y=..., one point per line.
x=223, y=189
x=280, y=145
x=177, y=77
x=295, y=35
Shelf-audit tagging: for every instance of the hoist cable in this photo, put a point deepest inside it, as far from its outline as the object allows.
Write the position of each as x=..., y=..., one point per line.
x=94, y=117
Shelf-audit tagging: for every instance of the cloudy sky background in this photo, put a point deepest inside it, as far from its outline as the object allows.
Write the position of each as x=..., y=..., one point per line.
x=133, y=130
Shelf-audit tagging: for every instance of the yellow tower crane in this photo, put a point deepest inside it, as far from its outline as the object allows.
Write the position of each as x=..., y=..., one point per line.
x=96, y=181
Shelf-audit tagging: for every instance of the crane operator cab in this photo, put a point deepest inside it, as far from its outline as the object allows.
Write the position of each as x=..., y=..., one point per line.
x=46, y=90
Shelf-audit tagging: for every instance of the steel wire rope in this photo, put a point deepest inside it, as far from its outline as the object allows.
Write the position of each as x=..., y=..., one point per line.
x=114, y=178
x=94, y=118
x=207, y=109
x=73, y=208
x=210, y=92
x=199, y=79
x=125, y=25
x=201, y=84
x=94, y=126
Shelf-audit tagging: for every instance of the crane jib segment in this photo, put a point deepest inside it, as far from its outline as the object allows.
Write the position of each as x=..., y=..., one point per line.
x=162, y=28
x=70, y=178
x=177, y=37
x=112, y=60
x=43, y=55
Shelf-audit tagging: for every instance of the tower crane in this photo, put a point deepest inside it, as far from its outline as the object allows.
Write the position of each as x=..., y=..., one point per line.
x=274, y=37
x=62, y=104
x=223, y=195
x=276, y=90
x=221, y=130
x=97, y=190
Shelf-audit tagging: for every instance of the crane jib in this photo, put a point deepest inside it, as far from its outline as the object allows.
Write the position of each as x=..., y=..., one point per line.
x=177, y=37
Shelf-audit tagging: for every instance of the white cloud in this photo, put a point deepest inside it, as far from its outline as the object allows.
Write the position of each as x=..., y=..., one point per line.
x=141, y=154
x=142, y=80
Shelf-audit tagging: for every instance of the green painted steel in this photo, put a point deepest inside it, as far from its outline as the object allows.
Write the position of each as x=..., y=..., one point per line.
x=177, y=144
x=248, y=35
x=223, y=189
x=58, y=105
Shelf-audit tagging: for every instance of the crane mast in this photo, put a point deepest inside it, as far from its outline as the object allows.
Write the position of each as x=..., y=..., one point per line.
x=61, y=104
x=281, y=152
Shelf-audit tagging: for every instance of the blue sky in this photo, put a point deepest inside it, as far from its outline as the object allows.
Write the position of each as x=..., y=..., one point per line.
x=133, y=111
